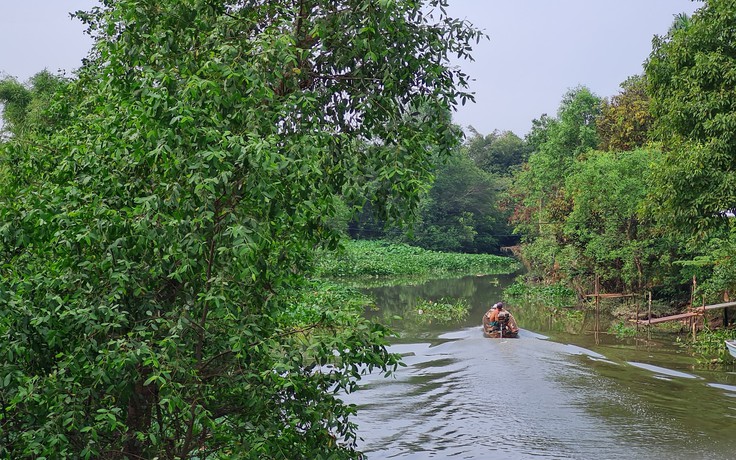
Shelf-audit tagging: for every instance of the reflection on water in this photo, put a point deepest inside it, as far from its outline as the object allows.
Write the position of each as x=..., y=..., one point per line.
x=465, y=396
x=480, y=292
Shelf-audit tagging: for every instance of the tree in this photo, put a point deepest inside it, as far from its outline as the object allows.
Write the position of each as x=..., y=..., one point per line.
x=24, y=106
x=15, y=99
x=538, y=195
x=154, y=244
x=539, y=132
x=606, y=229
x=625, y=120
x=690, y=79
x=460, y=212
x=498, y=152
x=560, y=142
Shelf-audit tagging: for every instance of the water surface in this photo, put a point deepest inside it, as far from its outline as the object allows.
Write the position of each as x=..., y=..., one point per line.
x=546, y=395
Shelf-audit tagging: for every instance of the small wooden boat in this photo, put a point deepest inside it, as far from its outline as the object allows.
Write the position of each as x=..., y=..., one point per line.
x=731, y=345
x=502, y=330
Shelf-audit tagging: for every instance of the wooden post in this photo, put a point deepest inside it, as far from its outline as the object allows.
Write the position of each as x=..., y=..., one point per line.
x=597, y=306
x=649, y=318
x=692, y=305
x=695, y=320
x=694, y=323
x=637, y=314
x=726, y=298
x=692, y=293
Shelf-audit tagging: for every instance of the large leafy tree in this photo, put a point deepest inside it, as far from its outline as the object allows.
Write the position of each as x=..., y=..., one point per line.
x=559, y=142
x=538, y=194
x=690, y=75
x=590, y=213
x=607, y=231
x=690, y=78
x=153, y=242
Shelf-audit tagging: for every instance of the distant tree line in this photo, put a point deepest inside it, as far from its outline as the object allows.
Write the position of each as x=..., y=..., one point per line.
x=465, y=208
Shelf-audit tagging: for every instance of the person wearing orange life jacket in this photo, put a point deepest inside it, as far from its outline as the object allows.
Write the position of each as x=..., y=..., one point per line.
x=498, y=315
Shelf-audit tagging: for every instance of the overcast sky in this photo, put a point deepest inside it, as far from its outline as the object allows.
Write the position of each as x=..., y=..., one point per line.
x=538, y=49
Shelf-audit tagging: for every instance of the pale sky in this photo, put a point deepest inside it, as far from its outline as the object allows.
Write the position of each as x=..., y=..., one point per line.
x=538, y=49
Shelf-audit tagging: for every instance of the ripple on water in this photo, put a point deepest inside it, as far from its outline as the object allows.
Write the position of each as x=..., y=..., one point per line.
x=730, y=389
x=659, y=371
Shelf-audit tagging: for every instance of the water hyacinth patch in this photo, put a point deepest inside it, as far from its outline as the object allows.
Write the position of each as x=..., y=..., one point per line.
x=441, y=311
x=382, y=259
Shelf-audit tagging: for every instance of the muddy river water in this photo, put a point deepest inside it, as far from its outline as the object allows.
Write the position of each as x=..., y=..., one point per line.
x=545, y=395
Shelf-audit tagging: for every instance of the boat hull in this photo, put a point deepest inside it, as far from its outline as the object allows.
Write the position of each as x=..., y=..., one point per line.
x=731, y=345
x=490, y=333
x=498, y=335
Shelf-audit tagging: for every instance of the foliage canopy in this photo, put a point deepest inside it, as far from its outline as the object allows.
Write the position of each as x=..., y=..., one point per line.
x=625, y=121
x=691, y=75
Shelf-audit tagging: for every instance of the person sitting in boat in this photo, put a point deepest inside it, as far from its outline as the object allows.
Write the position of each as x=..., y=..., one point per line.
x=498, y=317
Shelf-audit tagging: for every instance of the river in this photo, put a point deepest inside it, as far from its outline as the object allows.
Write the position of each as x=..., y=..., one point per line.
x=545, y=395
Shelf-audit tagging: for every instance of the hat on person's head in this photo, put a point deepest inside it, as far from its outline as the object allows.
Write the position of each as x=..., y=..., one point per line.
x=498, y=305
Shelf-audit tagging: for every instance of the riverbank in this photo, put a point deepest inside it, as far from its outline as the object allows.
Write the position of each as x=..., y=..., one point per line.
x=557, y=304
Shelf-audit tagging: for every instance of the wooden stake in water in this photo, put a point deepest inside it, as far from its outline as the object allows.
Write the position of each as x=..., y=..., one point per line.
x=597, y=307
x=649, y=318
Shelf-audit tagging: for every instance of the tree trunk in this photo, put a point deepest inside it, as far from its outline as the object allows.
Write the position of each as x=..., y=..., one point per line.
x=140, y=408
